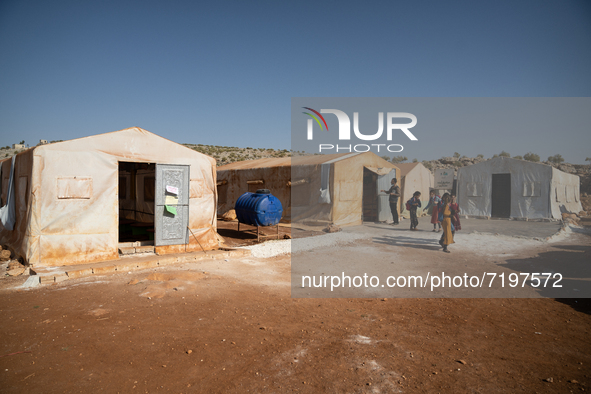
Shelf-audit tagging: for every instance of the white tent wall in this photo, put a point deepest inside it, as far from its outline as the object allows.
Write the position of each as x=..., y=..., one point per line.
x=532, y=188
x=565, y=193
x=74, y=205
x=419, y=178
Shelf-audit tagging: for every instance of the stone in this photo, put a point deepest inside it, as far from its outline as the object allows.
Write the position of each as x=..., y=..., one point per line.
x=16, y=271
x=229, y=216
x=126, y=250
x=79, y=273
x=61, y=278
x=46, y=279
x=5, y=255
x=331, y=228
x=106, y=269
x=549, y=380
x=144, y=249
x=14, y=264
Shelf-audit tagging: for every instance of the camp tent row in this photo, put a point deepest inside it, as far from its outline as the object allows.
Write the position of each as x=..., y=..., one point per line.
x=342, y=189
x=73, y=200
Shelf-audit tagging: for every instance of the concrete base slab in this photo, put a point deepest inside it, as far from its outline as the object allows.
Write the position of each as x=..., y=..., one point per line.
x=49, y=275
x=32, y=281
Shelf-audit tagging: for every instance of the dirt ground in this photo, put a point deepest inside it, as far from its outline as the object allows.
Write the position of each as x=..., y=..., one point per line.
x=232, y=327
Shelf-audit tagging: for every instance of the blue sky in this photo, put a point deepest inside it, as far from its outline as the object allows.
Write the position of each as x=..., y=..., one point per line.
x=224, y=73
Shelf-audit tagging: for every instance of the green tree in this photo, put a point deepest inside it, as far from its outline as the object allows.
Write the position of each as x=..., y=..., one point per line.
x=456, y=155
x=518, y=157
x=387, y=158
x=588, y=159
x=399, y=159
x=504, y=154
x=415, y=160
x=480, y=156
x=531, y=157
x=556, y=159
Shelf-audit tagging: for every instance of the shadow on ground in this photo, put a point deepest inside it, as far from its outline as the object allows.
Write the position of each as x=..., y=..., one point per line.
x=570, y=268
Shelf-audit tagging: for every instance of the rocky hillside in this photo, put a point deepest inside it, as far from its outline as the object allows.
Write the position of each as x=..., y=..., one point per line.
x=231, y=154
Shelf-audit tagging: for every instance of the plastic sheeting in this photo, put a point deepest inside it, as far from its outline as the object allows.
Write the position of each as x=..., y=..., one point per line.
x=67, y=205
x=537, y=190
x=7, y=212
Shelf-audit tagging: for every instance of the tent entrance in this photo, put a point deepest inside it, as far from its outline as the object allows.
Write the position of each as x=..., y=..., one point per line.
x=501, y=196
x=370, y=196
x=136, y=202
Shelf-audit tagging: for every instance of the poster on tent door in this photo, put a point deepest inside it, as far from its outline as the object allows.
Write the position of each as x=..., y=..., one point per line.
x=491, y=153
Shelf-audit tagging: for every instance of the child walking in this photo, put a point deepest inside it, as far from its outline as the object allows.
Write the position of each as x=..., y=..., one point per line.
x=412, y=206
x=433, y=209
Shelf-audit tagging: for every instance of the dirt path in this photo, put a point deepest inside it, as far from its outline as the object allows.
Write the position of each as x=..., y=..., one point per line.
x=231, y=326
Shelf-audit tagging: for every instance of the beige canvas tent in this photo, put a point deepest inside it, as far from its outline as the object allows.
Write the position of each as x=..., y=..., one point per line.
x=342, y=188
x=415, y=177
x=511, y=188
x=75, y=200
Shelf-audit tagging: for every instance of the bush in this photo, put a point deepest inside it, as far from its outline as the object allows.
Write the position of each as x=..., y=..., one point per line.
x=427, y=165
x=480, y=156
x=456, y=155
x=531, y=157
x=399, y=159
x=504, y=154
x=415, y=160
x=518, y=157
x=556, y=159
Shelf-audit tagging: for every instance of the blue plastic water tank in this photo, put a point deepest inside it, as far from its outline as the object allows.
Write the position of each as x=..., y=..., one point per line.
x=258, y=209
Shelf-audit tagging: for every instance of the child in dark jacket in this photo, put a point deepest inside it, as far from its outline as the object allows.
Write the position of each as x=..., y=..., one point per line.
x=414, y=203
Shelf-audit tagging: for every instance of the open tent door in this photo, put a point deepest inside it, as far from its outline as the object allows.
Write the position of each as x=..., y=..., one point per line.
x=171, y=219
x=501, y=196
x=385, y=176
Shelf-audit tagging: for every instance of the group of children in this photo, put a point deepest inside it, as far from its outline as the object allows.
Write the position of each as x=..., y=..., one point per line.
x=444, y=213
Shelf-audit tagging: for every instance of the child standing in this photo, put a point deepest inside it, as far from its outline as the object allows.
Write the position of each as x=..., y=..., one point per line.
x=413, y=204
x=433, y=209
x=445, y=214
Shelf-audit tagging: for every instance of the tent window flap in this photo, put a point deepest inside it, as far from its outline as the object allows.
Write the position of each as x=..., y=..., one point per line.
x=74, y=188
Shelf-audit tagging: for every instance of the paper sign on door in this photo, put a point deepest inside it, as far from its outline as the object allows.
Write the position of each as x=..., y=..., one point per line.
x=170, y=209
x=172, y=190
x=171, y=200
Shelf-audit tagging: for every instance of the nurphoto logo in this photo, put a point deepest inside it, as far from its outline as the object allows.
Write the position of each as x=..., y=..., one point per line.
x=344, y=132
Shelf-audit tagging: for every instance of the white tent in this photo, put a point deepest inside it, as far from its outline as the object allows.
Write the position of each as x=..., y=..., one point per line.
x=414, y=177
x=72, y=199
x=511, y=188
